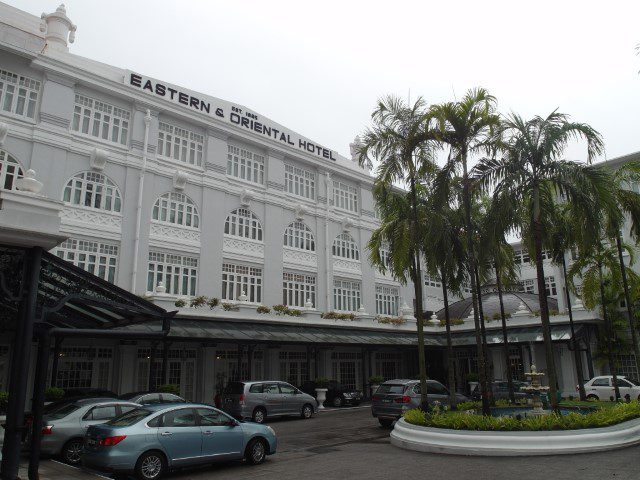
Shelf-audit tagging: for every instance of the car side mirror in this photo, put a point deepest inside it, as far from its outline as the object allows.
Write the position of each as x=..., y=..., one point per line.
x=232, y=423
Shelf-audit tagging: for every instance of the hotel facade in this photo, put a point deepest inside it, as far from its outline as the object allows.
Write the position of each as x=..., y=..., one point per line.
x=182, y=198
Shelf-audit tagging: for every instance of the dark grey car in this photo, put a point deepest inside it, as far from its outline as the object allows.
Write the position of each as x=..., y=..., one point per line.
x=259, y=400
x=394, y=397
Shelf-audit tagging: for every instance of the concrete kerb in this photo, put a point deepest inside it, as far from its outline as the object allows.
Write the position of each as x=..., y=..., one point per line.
x=483, y=443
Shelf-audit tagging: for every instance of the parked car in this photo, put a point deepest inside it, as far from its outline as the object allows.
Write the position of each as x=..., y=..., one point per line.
x=64, y=428
x=337, y=394
x=153, y=439
x=88, y=393
x=150, y=398
x=394, y=397
x=500, y=390
x=601, y=388
x=260, y=400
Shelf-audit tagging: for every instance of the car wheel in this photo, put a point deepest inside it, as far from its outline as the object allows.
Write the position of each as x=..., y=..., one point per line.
x=256, y=451
x=150, y=466
x=259, y=415
x=385, y=422
x=593, y=397
x=72, y=451
x=337, y=401
x=307, y=411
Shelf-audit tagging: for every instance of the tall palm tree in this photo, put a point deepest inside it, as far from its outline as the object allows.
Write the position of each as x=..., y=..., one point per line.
x=401, y=142
x=469, y=127
x=592, y=267
x=531, y=172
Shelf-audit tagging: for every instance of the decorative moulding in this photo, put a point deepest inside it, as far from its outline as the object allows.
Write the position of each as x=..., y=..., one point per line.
x=98, y=159
x=180, y=179
x=60, y=78
x=28, y=183
x=58, y=29
x=299, y=211
x=346, y=223
x=4, y=130
x=245, y=197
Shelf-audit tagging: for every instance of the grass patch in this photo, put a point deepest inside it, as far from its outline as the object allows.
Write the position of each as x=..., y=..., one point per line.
x=602, y=417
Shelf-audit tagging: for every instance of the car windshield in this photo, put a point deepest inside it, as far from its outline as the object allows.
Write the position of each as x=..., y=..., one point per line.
x=389, y=388
x=632, y=381
x=62, y=411
x=130, y=418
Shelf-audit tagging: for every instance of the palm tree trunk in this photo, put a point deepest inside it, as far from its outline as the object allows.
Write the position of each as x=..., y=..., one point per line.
x=466, y=200
x=610, y=336
x=542, y=300
x=505, y=344
x=627, y=300
x=450, y=366
x=483, y=334
x=576, y=348
x=417, y=285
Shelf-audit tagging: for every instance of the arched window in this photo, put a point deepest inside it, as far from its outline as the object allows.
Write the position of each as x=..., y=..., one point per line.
x=177, y=209
x=10, y=170
x=298, y=235
x=93, y=190
x=345, y=246
x=243, y=223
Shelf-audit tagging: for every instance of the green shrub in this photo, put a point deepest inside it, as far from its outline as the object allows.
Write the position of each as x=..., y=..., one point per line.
x=280, y=309
x=294, y=312
x=452, y=321
x=472, y=377
x=604, y=417
x=321, y=382
x=391, y=320
x=53, y=394
x=554, y=312
x=180, y=303
x=263, y=309
x=496, y=316
x=376, y=379
x=227, y=307
x=213, y=303
x=415, y=417
x=169, y=388
x=502, y=402
x=4, y=400
x=199, y=301
x=470, y=405
x=338, y=316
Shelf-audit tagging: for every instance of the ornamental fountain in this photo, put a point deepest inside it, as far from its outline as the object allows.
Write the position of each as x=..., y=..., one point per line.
x=536, y=389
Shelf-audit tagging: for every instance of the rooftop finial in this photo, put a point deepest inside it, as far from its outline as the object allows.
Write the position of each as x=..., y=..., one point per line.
x=58, y=30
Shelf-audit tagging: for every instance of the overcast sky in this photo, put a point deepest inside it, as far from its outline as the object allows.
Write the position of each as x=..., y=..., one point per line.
x=318, y=67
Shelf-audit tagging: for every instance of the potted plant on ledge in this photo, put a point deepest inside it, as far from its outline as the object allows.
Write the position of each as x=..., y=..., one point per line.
x=321, y=391
x=374, y=383
x=472, y=380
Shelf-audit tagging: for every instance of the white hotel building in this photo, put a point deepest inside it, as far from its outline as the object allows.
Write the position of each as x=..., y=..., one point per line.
x=174, y=194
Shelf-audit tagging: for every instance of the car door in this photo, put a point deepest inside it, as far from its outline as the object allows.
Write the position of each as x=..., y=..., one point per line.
x=291, y=399
x=180, y=435
x=625, y=388
x=272, y=398
x=222, y=436
x=601, y=387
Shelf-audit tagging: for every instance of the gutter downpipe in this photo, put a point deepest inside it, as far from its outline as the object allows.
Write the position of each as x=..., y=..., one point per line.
x=136, y=244
x=326, y=240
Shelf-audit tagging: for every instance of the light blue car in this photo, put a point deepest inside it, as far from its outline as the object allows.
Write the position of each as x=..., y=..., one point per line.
x=153, y=439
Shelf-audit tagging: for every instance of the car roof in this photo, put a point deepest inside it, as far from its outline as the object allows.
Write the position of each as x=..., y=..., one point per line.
x=155, y=407
x=407, y=381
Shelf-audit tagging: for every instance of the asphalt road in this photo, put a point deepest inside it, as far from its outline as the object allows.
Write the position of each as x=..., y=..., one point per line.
x=349, y=444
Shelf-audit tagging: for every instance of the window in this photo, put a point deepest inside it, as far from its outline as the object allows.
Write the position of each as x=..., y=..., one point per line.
x=18, y=94
x=244, y=164
x=239, y=279
x=243, y=223
x=385, y=256
x=527, y=286
x=256, y=388
x=178, y=273
x=212, y=418
x=100, y=120
x=176, y=208
x=287, y=389
x=297, y=289
x=300, y=182
x=601, y=382
x=180, y=144
x=430, y=281
x=79, y=367
x=344, y=246
x=550, y=286
x=93, y=190
x=345, y=196
x=346, y=295
x=10, y=171
x=386, y=300
x=105, y=412
x=185, y=417
x=100, y=259
x=298, y=235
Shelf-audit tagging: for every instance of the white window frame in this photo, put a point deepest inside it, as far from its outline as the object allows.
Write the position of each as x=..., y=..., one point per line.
x=299, y=181
x=102, y=120
x=345, y=196
x=174, y=208
x=344, y=246
x=10, y=171
x=238, y=279
x=178, y=273
x=299, y=236
x=18, y=95
x=385, y=256
x=429, y=281
x=387, y=299
x=346, y=295
x=98, y=258
x=243, y=223
x=93, y=190
x=179, y=144
x=550, y=286
x=528, y=285
x=245, y=164
x=297, y=288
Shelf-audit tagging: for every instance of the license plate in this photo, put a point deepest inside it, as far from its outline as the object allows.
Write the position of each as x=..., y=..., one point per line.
x=386, y=400
x=92, y=442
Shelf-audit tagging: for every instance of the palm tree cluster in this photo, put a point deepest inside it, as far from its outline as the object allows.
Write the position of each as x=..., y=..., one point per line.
x=454, y=181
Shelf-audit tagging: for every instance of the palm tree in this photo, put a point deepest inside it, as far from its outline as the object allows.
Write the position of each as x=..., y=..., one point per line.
x=401, y=142
x=532, y=173
x=593, y=267
x=469, y=127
